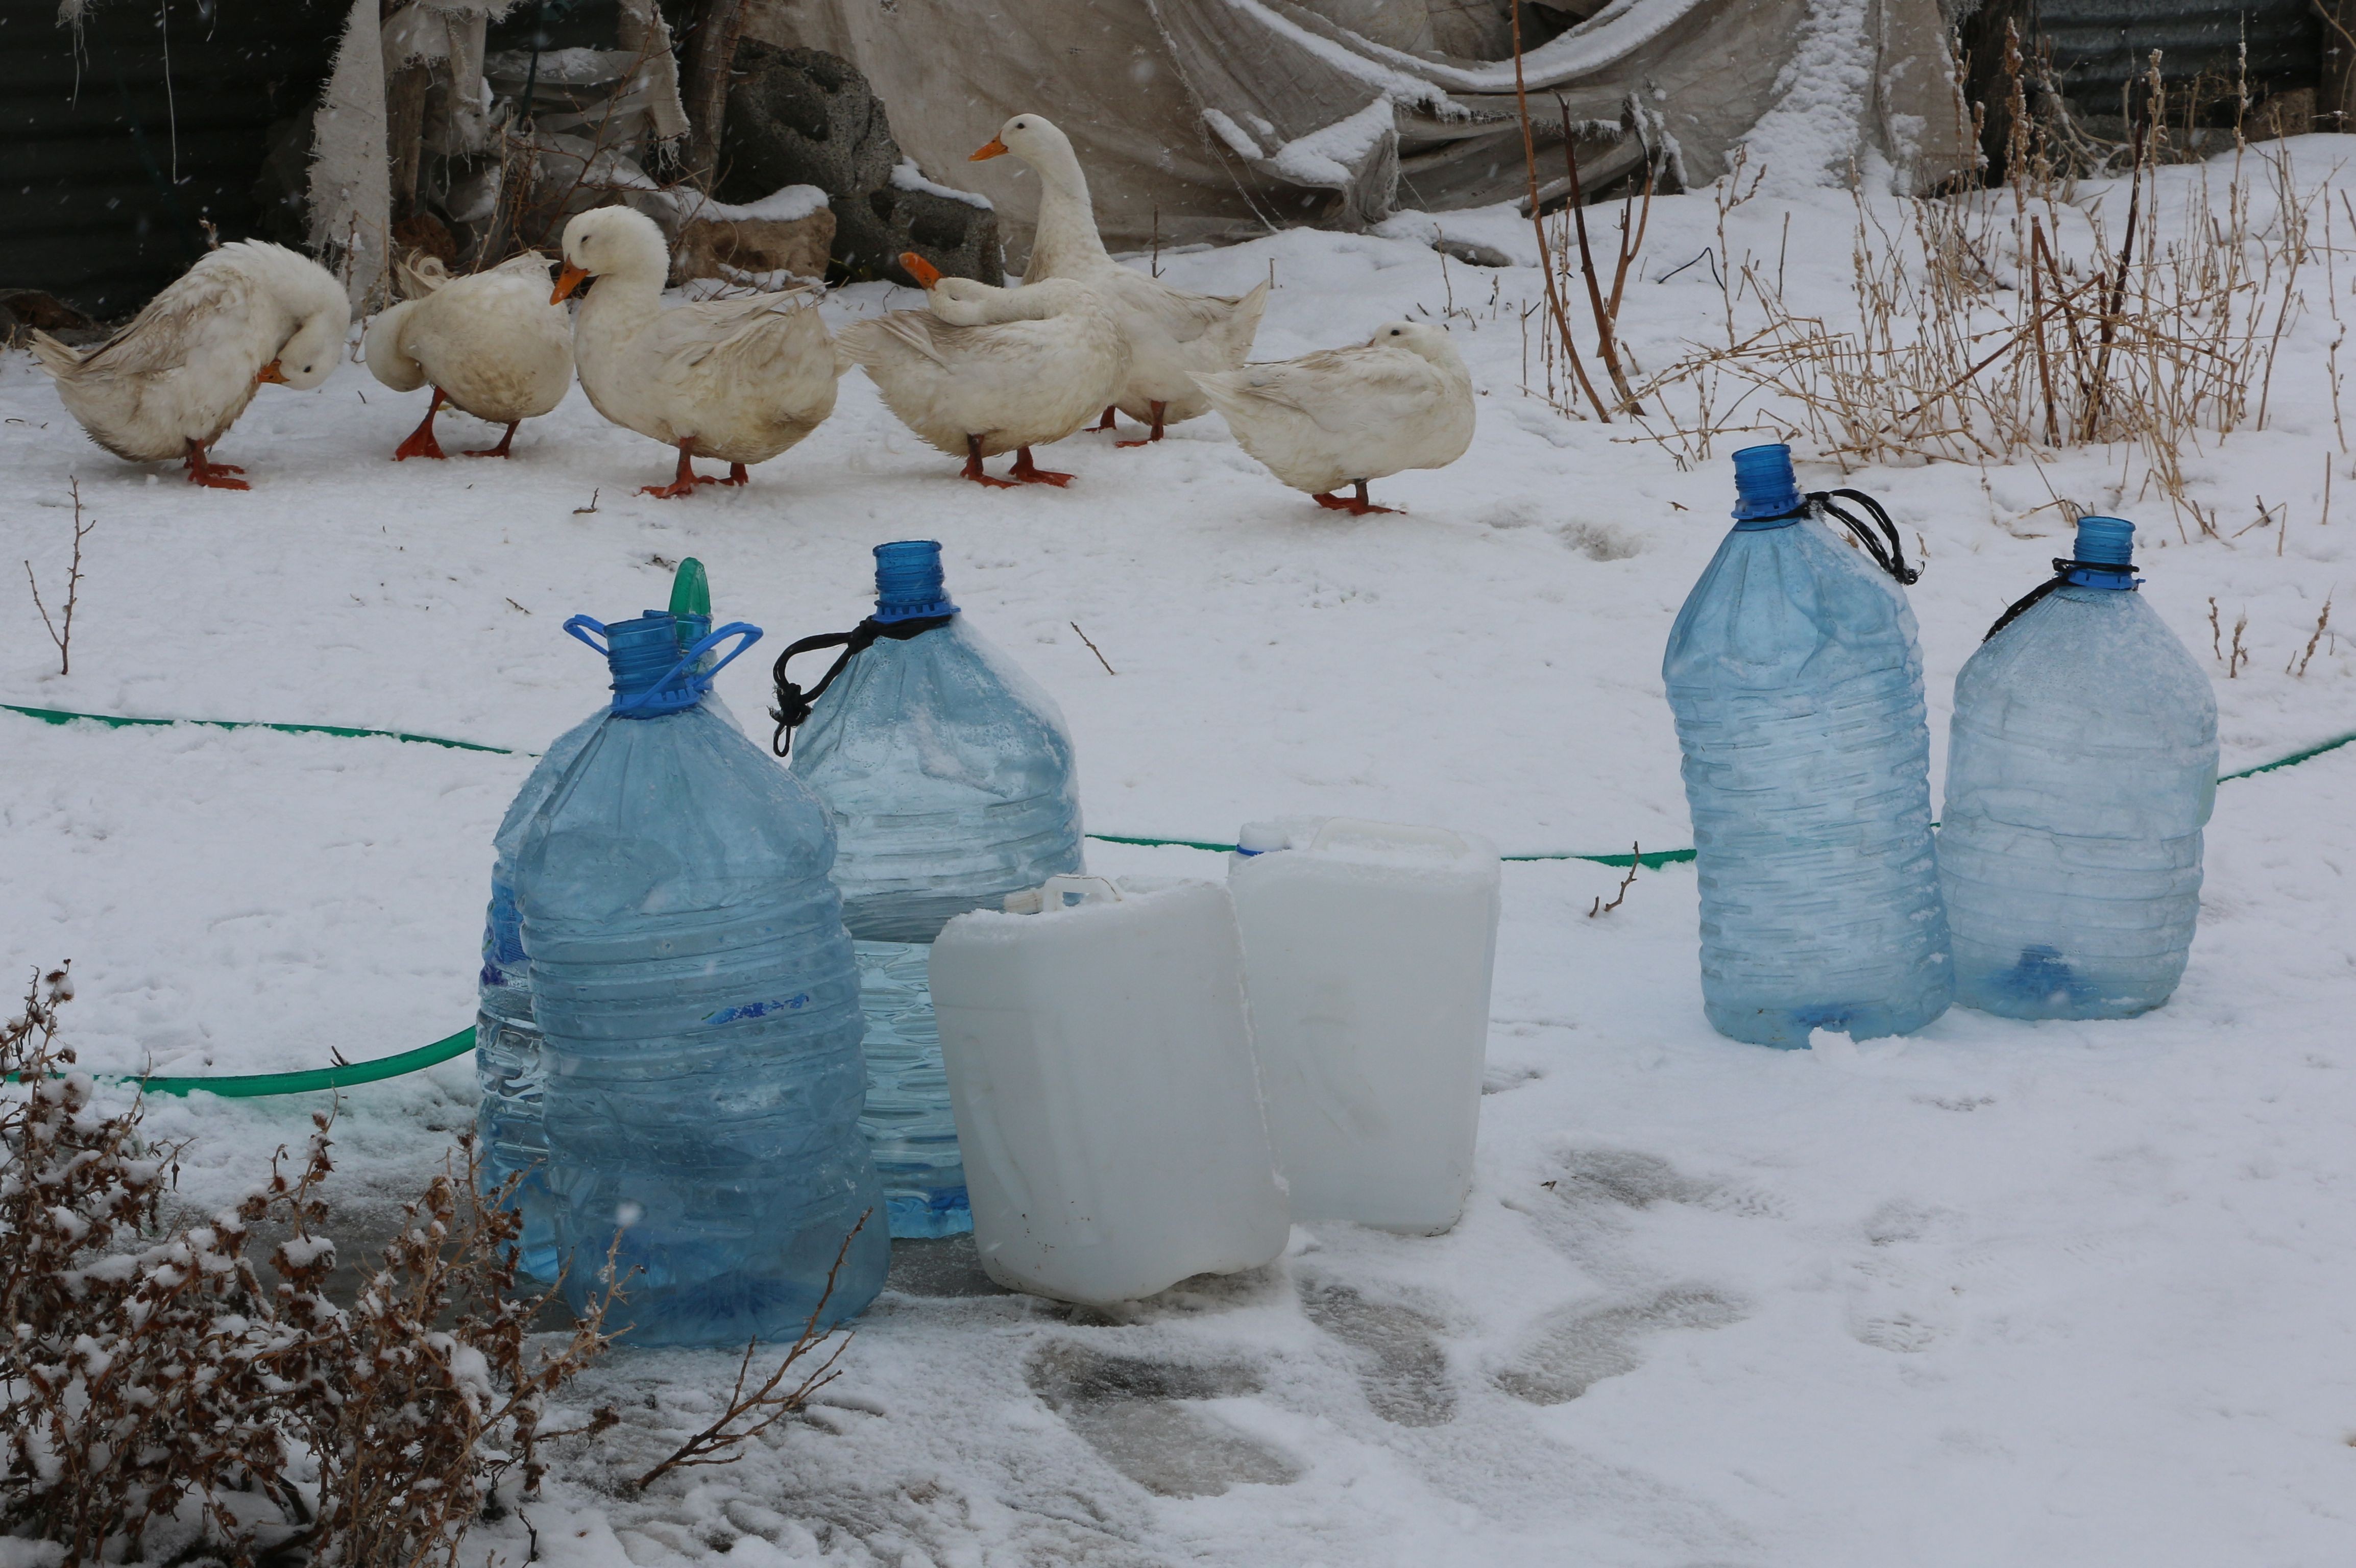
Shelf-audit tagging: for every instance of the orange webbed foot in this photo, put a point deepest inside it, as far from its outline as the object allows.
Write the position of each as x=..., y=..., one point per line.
x=1026, y=471
x=210, y=475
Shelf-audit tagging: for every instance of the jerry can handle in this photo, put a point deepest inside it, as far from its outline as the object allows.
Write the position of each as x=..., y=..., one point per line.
x=1066, y=889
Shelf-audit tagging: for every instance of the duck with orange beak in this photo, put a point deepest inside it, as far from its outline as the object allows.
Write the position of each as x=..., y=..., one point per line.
x=1172, y=335
x=739, y=381
x=170, y=384
x=983, y=370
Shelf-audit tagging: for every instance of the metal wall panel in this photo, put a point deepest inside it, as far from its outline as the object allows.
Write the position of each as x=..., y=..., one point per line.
x=109, y=161
x=2099, y=44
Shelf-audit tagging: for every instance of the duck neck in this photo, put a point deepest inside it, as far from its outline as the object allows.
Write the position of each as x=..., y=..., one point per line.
x=621, y=300
x=1066, y=243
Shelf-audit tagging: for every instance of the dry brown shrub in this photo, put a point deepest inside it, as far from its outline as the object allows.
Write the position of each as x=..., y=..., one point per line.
x=160, y=1397
x=1993, y=324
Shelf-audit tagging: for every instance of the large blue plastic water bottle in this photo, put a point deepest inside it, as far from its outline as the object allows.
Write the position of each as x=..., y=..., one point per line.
x=512, y=1140
x=510, y=1134
x=948, y=773
x=2081, y=768
x=1798, y=692
x=695, y=989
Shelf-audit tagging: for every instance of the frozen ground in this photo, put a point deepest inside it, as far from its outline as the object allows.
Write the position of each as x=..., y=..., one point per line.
x=2062, y=1294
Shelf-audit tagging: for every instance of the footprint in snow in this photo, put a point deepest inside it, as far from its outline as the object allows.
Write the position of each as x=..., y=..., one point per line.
x=1631, y=1179
x=1135, y=1413
x=1401, y=1365
x=1577, y=1347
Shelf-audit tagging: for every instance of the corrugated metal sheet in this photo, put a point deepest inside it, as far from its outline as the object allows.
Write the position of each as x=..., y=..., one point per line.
x=108, y=163
x=2100, y=44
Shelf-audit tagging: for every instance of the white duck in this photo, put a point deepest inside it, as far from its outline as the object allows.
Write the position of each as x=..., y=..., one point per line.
x=1401, y=400
x=172, y=381
x=736, y=379
x=491, y=344
x=984, y=370
x=1172, y=335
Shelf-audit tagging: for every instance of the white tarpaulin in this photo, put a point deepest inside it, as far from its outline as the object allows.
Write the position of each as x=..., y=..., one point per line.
x=1197, y=117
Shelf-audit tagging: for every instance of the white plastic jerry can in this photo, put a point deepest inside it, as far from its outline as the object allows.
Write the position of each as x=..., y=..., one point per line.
x=1101, y=1065
x=1368, y=948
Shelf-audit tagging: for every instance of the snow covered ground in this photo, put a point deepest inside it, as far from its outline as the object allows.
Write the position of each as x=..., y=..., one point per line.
x=2054, y=1294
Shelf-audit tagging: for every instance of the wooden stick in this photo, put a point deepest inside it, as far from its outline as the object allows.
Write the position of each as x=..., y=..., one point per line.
x=1537, y=222
x=2118, y=286
x=1092, y=647
x=2037, y=319
x=1605, y=345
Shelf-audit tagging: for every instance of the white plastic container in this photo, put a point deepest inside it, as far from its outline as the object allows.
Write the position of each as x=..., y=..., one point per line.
x=1368, y=948
x=1100, y=1064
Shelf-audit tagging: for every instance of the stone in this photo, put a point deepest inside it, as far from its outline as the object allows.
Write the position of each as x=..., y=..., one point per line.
x=807, y=117
x=41, y=311
x=720, y=247
x=2284, y=115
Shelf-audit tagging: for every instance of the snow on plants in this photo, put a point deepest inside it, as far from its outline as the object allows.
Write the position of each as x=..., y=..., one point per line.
x=1994, y=1293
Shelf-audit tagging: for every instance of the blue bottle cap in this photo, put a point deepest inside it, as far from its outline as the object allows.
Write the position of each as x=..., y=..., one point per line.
x=1764, y=487
x=908, y=581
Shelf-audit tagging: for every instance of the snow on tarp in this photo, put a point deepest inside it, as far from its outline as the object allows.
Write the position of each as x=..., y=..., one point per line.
x=1199, y=118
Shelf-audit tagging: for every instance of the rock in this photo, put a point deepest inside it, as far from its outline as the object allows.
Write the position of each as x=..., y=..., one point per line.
x=41, y=311
x=2288, y=113
x=804, y=116
x=1473, y=254
x=709, y=247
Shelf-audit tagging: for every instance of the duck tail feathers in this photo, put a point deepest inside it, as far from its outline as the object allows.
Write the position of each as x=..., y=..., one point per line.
x=55, y=357
x=380, y=346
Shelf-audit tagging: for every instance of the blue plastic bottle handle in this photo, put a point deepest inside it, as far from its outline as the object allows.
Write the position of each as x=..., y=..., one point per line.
x=745, y=630
x=582, y=627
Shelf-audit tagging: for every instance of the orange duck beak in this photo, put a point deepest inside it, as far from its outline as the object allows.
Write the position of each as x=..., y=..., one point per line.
x=567, y=281
x=917, y=267
x=993, y=148
x=270, y=372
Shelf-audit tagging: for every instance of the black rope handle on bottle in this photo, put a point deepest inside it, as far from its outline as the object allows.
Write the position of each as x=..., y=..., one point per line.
x=2062, y=567
x=795, y=705
x=1891, y=556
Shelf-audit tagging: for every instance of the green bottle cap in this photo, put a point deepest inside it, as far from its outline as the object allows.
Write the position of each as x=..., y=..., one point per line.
x=691, y=590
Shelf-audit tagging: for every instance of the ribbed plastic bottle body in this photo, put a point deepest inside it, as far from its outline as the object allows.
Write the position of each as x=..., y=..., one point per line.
x=507, y=1065
x=1797, y=687
x=947, y=775
x=696, y=991
x=512, y=1140
x=2081, y=769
